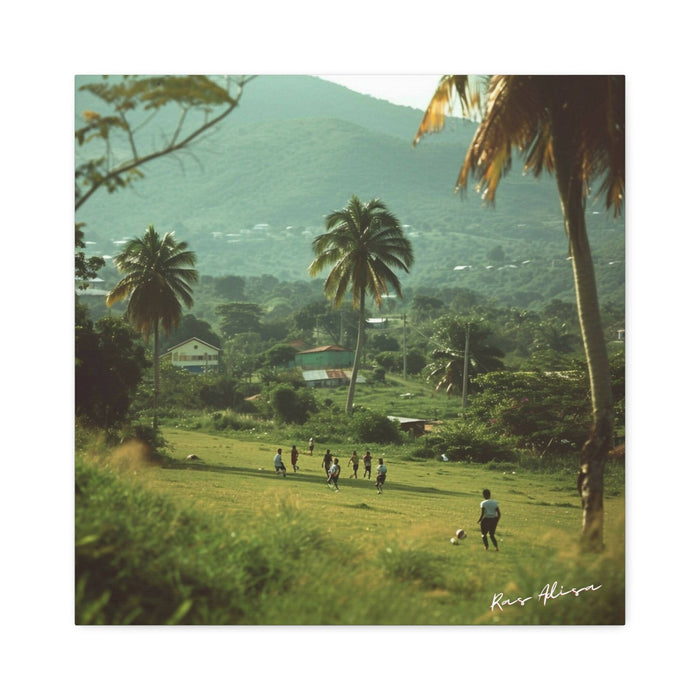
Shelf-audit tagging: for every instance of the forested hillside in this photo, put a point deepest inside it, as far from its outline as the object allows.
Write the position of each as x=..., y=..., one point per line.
x=250, y=197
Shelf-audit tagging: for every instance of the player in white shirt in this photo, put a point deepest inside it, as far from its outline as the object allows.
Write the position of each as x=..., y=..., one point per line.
x=490, y=515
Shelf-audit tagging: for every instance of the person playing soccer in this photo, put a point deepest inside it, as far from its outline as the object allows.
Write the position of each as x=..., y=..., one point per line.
x=367, y=459
x=311, y=446
x=355, y=462
x=327, y=461
x=490, y=515
x=279, y=464
x=295, y=457
x=381, y=476
x=333, y=474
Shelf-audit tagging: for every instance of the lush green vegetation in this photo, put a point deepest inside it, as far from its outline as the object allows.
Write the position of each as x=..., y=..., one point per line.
x=223, y=540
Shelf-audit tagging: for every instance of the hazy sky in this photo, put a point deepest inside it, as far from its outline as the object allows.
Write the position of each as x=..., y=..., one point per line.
x=408, y=90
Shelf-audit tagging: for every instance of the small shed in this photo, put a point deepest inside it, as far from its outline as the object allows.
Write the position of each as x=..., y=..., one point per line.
x=415, y=426
x=328, y=377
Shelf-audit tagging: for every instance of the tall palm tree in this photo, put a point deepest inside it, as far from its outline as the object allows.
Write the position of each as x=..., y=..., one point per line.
x=363, y=241
x=573, y=127
x=158, y=274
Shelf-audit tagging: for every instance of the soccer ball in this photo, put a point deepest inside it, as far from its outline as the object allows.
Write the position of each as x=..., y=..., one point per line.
x=460, y=534
x=453, y=540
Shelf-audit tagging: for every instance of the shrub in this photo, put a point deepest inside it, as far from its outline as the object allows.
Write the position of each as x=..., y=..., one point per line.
x=229, y=420
x=291, y=405
x=222, y=392
x=465, y=442
x=371, y=426
x=329, y=426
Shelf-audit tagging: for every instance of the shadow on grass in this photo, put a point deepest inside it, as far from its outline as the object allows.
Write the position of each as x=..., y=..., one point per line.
x=344, y=483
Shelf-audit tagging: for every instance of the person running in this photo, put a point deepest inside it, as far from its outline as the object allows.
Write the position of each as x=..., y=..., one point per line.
x=327, y=461
x=279, y=464
x=490, y=515
x=355, y=462
x=381, y=476
x=295, y=457
x=367, y=460
x=311, y=446
x=333, y=474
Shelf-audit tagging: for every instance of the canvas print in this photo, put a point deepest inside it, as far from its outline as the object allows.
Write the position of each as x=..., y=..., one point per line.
x=350, y=356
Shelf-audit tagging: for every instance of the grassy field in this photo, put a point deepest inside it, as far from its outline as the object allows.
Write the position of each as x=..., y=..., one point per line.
x=231, y=542
x=410, y=397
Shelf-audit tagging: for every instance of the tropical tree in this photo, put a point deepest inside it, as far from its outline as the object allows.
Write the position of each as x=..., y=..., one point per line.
x=112, y=146
x=453, y=337
x=158, y=273
x=363, y=242
x=573, y=127
x=109, y=363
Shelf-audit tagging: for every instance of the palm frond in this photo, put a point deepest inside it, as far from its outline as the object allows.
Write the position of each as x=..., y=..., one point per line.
x=468, y=93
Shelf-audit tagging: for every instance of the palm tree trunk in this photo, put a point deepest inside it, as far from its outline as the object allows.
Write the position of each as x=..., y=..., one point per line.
x=595, y=451
x=358, y=353
x=156, y=376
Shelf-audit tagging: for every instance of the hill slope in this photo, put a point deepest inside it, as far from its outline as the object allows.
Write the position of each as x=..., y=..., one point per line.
x=296, y=149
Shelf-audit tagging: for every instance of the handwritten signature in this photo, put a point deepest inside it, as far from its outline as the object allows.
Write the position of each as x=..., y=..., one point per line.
x=549, y=592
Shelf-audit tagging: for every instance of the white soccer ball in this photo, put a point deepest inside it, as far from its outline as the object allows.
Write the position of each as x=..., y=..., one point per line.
x=460, y=534
x=453, y=540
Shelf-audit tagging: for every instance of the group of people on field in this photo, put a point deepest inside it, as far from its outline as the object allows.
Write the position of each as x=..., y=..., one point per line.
x=490, y=510
x=331, y=466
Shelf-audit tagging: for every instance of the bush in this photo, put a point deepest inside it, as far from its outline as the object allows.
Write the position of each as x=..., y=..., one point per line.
x=371, y=426
x=329, y=426
x=229, y=420
x=464, y=442
x=291, y=405
x=222, y=392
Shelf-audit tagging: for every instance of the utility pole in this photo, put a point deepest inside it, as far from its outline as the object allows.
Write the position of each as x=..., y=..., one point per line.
x=404, y=347
x=465, y=374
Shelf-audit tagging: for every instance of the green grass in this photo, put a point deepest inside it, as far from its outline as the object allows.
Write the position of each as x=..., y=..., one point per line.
x=386, y=397
x=223, y=540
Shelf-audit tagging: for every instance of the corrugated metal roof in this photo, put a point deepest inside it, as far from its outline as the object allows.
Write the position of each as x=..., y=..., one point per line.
x=325, y=348
x=318, y=375
x=403, y=420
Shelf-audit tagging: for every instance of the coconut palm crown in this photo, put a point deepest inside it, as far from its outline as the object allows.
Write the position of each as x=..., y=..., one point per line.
x=158, y=274
x=363, y=244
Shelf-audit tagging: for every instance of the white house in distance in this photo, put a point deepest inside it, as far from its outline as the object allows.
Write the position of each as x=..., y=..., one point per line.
x=194, y=355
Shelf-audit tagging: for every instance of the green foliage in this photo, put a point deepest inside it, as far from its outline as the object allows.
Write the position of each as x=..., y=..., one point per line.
x=222, y=392
x=229, y=420
x=369, y=426
x=279, y=355
x=329, y=425
x=239, y=317
x=130, y=100
x=544, y=411
x=453, y=336
x=109, y=364
x=86, y=268
x=230, y=287
x=292, y=405
x=468, y=442
x=192, y=327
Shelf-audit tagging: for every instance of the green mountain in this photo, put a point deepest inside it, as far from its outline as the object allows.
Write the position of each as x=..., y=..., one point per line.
x=250, y=197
